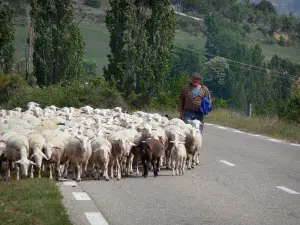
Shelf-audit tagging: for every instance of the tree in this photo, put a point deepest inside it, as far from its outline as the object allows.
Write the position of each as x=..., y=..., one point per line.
x=211, y=33
x=141, y=41
x=59, y=46
x=266, y=6
x=7, y=37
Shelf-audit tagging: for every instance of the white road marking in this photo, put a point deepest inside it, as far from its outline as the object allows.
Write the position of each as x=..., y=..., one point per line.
x=227, y=163
x=297, y=145
x=287, y=190
x=238, y=131
x=81, y=196
x=255, y=135
x=274, y=140
x=95, y=218
x=208, y=124
x=221, y=127
x=70, y=183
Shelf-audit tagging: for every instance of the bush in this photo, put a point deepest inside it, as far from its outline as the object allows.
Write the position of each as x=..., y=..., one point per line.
x=247, y=28
x=9, y=85
x=93, y=3
x=96, y=93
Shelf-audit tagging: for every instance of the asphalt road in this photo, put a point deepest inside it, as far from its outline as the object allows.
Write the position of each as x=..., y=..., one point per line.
x=257, y=183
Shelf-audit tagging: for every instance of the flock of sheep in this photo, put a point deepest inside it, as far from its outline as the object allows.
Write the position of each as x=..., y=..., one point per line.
x=105, y=142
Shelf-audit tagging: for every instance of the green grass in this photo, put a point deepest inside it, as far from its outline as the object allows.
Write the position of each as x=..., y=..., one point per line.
x=31, y=202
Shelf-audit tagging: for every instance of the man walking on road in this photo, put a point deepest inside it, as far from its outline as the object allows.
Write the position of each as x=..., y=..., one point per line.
x=194, y=101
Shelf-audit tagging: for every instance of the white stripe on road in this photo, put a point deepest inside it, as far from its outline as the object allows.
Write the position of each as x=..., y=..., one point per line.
x=70, y=183
x=287, y=190
x=238, y=131
x=274, y=140
x=227, y=163
x=95, y=218
x=255, y=135
x=81, y=196
x=223, y=128
x=297, y=145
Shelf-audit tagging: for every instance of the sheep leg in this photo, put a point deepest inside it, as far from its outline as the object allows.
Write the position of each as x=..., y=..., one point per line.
x=189, y=162
x=145, y=174
x=57, y=169
x=193, y=160
x=31, y=171
x=158, y=164
x=137, y=167
x=112, y=162
x=18, y=172
x=39, y=172
x=130, y=164
x=197, y=158
x=105, y=170
x=74, y=171
x=50, y=171
x=43, y=167
x=9, y=167
x=66, y=169
x=118, y=169
x=177, y=164
x=183, y=165
x=154, y=167
x=78, y=171
x=173, y=167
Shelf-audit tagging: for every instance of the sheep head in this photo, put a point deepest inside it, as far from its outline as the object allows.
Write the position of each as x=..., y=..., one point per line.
x=38, y=156
x=24, y=165
x=177, y=143
x=125, y=145
x=84, y=141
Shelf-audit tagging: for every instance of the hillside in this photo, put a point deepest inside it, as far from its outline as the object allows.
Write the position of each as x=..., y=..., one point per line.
x=96, y=35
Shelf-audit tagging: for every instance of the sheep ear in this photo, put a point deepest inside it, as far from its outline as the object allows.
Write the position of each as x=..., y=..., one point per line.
x=19, y=161
x=31, y=162
x=78, y=137
x=172, y=141
x=132, y=144
x=143, y=141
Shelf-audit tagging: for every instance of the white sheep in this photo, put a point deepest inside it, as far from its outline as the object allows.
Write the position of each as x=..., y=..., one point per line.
x=178, y=154
x=17, y=151
x=36, y=144
x=78, y=151
x=101, y=153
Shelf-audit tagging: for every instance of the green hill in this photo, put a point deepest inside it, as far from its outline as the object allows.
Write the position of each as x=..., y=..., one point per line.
x=191, y=33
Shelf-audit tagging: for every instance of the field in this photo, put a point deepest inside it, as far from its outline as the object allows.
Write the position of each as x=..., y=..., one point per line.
x=96, y=39
x=31, y=202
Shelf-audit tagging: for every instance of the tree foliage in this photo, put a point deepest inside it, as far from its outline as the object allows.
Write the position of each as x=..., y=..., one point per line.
x=58, y=48
x=7, y=37
x=141, y=41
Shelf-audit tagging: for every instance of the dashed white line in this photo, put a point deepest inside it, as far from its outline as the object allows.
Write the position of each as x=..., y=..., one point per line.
x=287, y=190
x=70, y=183
x=81, y=196
x=274, y=140
x=227, y=163
x=95, y=218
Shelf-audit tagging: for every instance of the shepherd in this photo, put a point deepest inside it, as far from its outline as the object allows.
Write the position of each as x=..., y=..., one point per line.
x=194, y=101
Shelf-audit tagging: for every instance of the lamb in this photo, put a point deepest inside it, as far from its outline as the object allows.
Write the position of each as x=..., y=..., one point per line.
x=151, y=151
x=178, y=154
x=17, y=148
x=36, y=145
x=121, y=148
x=55, y=152
x=101, y=153
x=78, y=151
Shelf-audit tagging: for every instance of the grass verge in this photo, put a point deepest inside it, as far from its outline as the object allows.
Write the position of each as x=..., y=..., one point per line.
x=269, y=126
x=31, y=202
